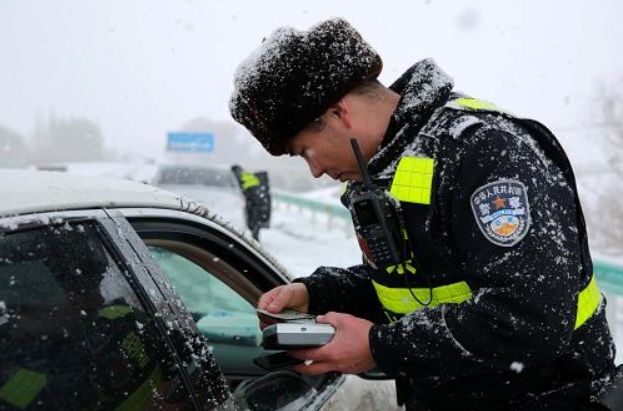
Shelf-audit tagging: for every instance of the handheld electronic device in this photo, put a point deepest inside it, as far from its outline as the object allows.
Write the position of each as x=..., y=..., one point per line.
x=276, y=361
x=377, y=221
x=292, y=336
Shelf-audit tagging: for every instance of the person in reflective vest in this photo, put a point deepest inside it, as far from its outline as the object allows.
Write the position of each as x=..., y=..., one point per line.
x=496, y=305
x=256, y=190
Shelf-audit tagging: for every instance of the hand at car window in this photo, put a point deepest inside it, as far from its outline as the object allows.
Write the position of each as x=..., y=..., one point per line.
x=348, y=352
x=293, y=296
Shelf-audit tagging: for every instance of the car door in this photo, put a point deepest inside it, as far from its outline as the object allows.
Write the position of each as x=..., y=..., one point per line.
x=219, y=277
x=82, y=325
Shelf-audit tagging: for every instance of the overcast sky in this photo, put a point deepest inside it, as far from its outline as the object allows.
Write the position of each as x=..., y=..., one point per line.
x=142, y=68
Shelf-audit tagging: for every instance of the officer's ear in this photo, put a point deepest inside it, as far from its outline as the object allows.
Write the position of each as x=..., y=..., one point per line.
x=341, y=112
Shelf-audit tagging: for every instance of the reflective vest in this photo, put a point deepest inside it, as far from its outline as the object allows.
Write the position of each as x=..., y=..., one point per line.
x=413, y=183
x=248, y=180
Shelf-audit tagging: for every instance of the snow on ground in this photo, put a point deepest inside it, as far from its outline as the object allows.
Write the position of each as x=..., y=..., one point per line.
x=329, y=195
x=302, y=242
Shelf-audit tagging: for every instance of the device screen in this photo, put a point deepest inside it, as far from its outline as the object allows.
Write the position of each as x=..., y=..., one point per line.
x=365, y=213
x=276, y=361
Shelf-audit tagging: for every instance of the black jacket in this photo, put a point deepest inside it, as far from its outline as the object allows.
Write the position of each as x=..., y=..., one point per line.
x=512, y=345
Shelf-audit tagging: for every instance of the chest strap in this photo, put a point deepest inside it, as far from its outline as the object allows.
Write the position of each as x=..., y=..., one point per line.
x=400, y=301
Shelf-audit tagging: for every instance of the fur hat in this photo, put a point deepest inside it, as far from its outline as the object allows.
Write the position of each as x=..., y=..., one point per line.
x=295, y=76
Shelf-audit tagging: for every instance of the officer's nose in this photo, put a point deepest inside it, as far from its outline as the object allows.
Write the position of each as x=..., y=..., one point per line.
x=314, y=168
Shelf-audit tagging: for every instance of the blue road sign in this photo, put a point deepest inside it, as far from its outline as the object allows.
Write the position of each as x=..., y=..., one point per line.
x=188, y=141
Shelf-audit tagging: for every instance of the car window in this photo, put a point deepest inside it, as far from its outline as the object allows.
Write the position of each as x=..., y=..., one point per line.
x=222, y=315
x=222, y=302
x=73, y=334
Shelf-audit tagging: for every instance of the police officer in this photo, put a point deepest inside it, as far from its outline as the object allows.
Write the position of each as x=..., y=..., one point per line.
x=495, y=305
x=256, y=192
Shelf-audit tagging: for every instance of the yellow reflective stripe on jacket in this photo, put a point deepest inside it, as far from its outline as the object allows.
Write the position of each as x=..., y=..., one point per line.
x=413, y=180
x=588, y=302
x=400, y=300
x=475, y=104
x=249, y=180
x=22, y=388
x=140, y=398
x=114, y=311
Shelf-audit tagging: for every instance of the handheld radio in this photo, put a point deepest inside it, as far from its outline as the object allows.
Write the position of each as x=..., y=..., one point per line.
x=377, y=221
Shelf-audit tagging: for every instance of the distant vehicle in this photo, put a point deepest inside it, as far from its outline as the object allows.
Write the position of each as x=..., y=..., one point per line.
x=52, y=167
x=120, y=295
x=214, y=186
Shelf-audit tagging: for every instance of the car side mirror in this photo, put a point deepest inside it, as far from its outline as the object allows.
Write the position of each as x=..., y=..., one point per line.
x=273, y=391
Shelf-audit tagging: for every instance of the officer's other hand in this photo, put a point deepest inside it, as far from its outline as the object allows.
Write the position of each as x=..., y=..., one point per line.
x=348, y=352
x=293, y=296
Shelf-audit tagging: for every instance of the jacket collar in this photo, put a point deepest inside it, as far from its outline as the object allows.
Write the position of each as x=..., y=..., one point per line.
x=423, y=88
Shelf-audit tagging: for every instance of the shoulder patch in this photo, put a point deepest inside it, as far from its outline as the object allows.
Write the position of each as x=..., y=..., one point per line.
x=502, y=211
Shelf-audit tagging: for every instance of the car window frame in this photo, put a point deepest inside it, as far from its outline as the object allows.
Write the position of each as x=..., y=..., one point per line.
x=173, y=314
x=211, y=237
x=209, y=228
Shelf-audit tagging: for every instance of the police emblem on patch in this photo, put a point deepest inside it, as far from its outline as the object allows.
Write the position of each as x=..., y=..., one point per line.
x=502, y=211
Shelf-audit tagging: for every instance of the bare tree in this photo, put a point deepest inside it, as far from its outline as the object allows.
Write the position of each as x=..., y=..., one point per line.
x=73, y=139
x=605, y=218
x=13, y=149
x=612, y=106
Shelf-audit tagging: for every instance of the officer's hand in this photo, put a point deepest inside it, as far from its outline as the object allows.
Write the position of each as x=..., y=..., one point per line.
x=293, y=296
x=348, y=352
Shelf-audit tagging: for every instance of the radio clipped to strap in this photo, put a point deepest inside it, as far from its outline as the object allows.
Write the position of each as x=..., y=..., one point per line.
x=377, y=221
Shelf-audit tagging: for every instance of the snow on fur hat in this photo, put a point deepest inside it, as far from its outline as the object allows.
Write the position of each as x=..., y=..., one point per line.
x=295, y=76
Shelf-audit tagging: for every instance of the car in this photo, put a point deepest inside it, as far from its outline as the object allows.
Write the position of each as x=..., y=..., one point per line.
x=212, y=185
x=121, y=295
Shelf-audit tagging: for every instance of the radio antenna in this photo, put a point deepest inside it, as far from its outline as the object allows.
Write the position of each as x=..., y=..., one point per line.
x=367, y=181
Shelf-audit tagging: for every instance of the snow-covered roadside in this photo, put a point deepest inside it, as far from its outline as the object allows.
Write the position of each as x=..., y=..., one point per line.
x=302, y=244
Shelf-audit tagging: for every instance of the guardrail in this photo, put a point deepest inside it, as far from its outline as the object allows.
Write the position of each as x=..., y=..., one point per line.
x=313, y=205
x=609, y=275
x=337, y=215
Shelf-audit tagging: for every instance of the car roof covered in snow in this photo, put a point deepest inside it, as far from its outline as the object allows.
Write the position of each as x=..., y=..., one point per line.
x=23, y=192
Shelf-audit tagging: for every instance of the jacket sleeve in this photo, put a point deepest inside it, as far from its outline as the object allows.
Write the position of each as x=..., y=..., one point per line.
x=523, y=307
x=343, y=290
